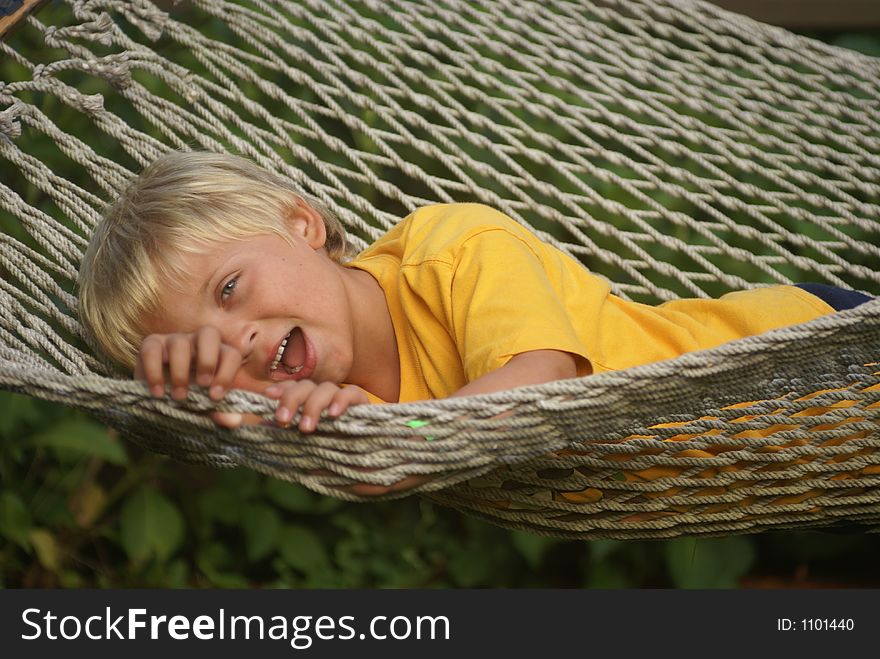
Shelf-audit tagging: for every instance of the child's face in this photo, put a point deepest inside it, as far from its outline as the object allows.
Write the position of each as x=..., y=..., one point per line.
x=258, y=292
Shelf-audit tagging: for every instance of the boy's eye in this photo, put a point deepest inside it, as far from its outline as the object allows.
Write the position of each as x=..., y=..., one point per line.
x=228, y=288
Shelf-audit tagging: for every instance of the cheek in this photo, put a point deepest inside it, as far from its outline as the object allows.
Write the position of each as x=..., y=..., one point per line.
x=243, y=380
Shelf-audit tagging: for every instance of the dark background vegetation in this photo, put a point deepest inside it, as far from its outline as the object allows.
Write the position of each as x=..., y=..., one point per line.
x=80, y=508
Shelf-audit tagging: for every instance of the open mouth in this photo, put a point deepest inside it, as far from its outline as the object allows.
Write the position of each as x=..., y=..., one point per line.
x=292, y=353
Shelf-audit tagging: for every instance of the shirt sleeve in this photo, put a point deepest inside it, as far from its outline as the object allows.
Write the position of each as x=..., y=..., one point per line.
x=502, y=303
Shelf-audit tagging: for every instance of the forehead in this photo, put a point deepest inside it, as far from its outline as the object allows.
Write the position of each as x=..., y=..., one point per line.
x=185, y=276
x=181, y=269
x=193, y=261
x=182, y=276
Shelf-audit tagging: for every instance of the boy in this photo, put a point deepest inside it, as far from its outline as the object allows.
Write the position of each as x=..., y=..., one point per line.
x=209, y=269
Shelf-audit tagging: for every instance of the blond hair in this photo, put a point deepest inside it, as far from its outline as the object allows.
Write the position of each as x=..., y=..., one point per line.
x=181, y=204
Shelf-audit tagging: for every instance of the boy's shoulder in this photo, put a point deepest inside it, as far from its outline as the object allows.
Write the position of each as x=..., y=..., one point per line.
x=443, y=228
x=463, y=218
x=436, y=233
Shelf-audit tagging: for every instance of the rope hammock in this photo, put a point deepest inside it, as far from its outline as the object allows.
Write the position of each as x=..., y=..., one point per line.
x=675, y=148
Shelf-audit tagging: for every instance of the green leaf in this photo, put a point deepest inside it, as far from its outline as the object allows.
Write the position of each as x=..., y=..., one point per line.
x=46, y=547
x=244, y=482
x=708, y=563
x=214, y=560
x=290, y=496
x=221, y=504
x=87, y=503
x=301, y=548
x=15, y=410
x=150, y=525
x=602, y=548
x=51, y=509
x=15, y=520
x=472, y=569
x=175, y=574
x=608, y=577
x=262, y=528
x=83, y=436
x=71, y=579
x=531, y=546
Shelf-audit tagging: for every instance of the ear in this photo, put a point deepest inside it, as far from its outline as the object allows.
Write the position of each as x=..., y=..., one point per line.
x=306, y=223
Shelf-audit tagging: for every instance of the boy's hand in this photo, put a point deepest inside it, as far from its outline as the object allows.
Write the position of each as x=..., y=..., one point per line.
x=199, y=356
x=312, y=397
x=202, y=357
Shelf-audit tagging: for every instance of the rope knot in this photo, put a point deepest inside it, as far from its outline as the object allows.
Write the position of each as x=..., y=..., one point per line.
x=113, y=68
x=102, y=28
x=99, y=29
x=87, y=103
x=49, y=36
x=148, y=18
x=9, y=125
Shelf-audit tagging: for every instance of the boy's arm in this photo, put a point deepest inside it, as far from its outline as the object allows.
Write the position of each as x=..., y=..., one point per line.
x=533, y=367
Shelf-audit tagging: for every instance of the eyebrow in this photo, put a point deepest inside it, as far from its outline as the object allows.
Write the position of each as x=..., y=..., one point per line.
x=221, y=268
x=206, y=285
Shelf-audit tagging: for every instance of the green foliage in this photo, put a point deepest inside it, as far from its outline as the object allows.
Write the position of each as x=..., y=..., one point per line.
x=77, y=436
x=150, y=526
x=714, y=563
x=863, y=42
x=15, y=520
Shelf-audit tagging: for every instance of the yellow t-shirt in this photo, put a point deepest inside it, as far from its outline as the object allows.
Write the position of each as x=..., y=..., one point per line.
x=467, y=288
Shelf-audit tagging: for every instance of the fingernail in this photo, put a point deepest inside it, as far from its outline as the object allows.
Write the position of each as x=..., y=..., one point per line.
x=272, y=390
x=283, y=415
x=157, y=390
x=204, y=379
x=216, y=392
x=334, y=409
x=307, y=424
x=179, y=393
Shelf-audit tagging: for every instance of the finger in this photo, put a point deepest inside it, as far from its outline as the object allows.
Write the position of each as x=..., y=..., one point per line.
x=228, y=363
x=151, y=364
x=317, y=401
x=180, y=349
x=292, y=396
x=230, y=420
x=234, y=420
x=207, y=340
x=345, y=398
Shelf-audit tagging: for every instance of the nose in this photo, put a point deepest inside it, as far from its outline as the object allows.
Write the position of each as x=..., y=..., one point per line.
x=244, y=339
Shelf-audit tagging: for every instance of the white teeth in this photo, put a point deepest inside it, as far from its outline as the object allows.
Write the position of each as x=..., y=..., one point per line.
x=277, y=359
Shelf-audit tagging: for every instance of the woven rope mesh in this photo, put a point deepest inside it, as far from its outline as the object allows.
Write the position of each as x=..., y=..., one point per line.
x=679, y=150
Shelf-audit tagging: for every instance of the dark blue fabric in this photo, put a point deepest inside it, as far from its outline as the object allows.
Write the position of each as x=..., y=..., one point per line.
x=839, y=298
